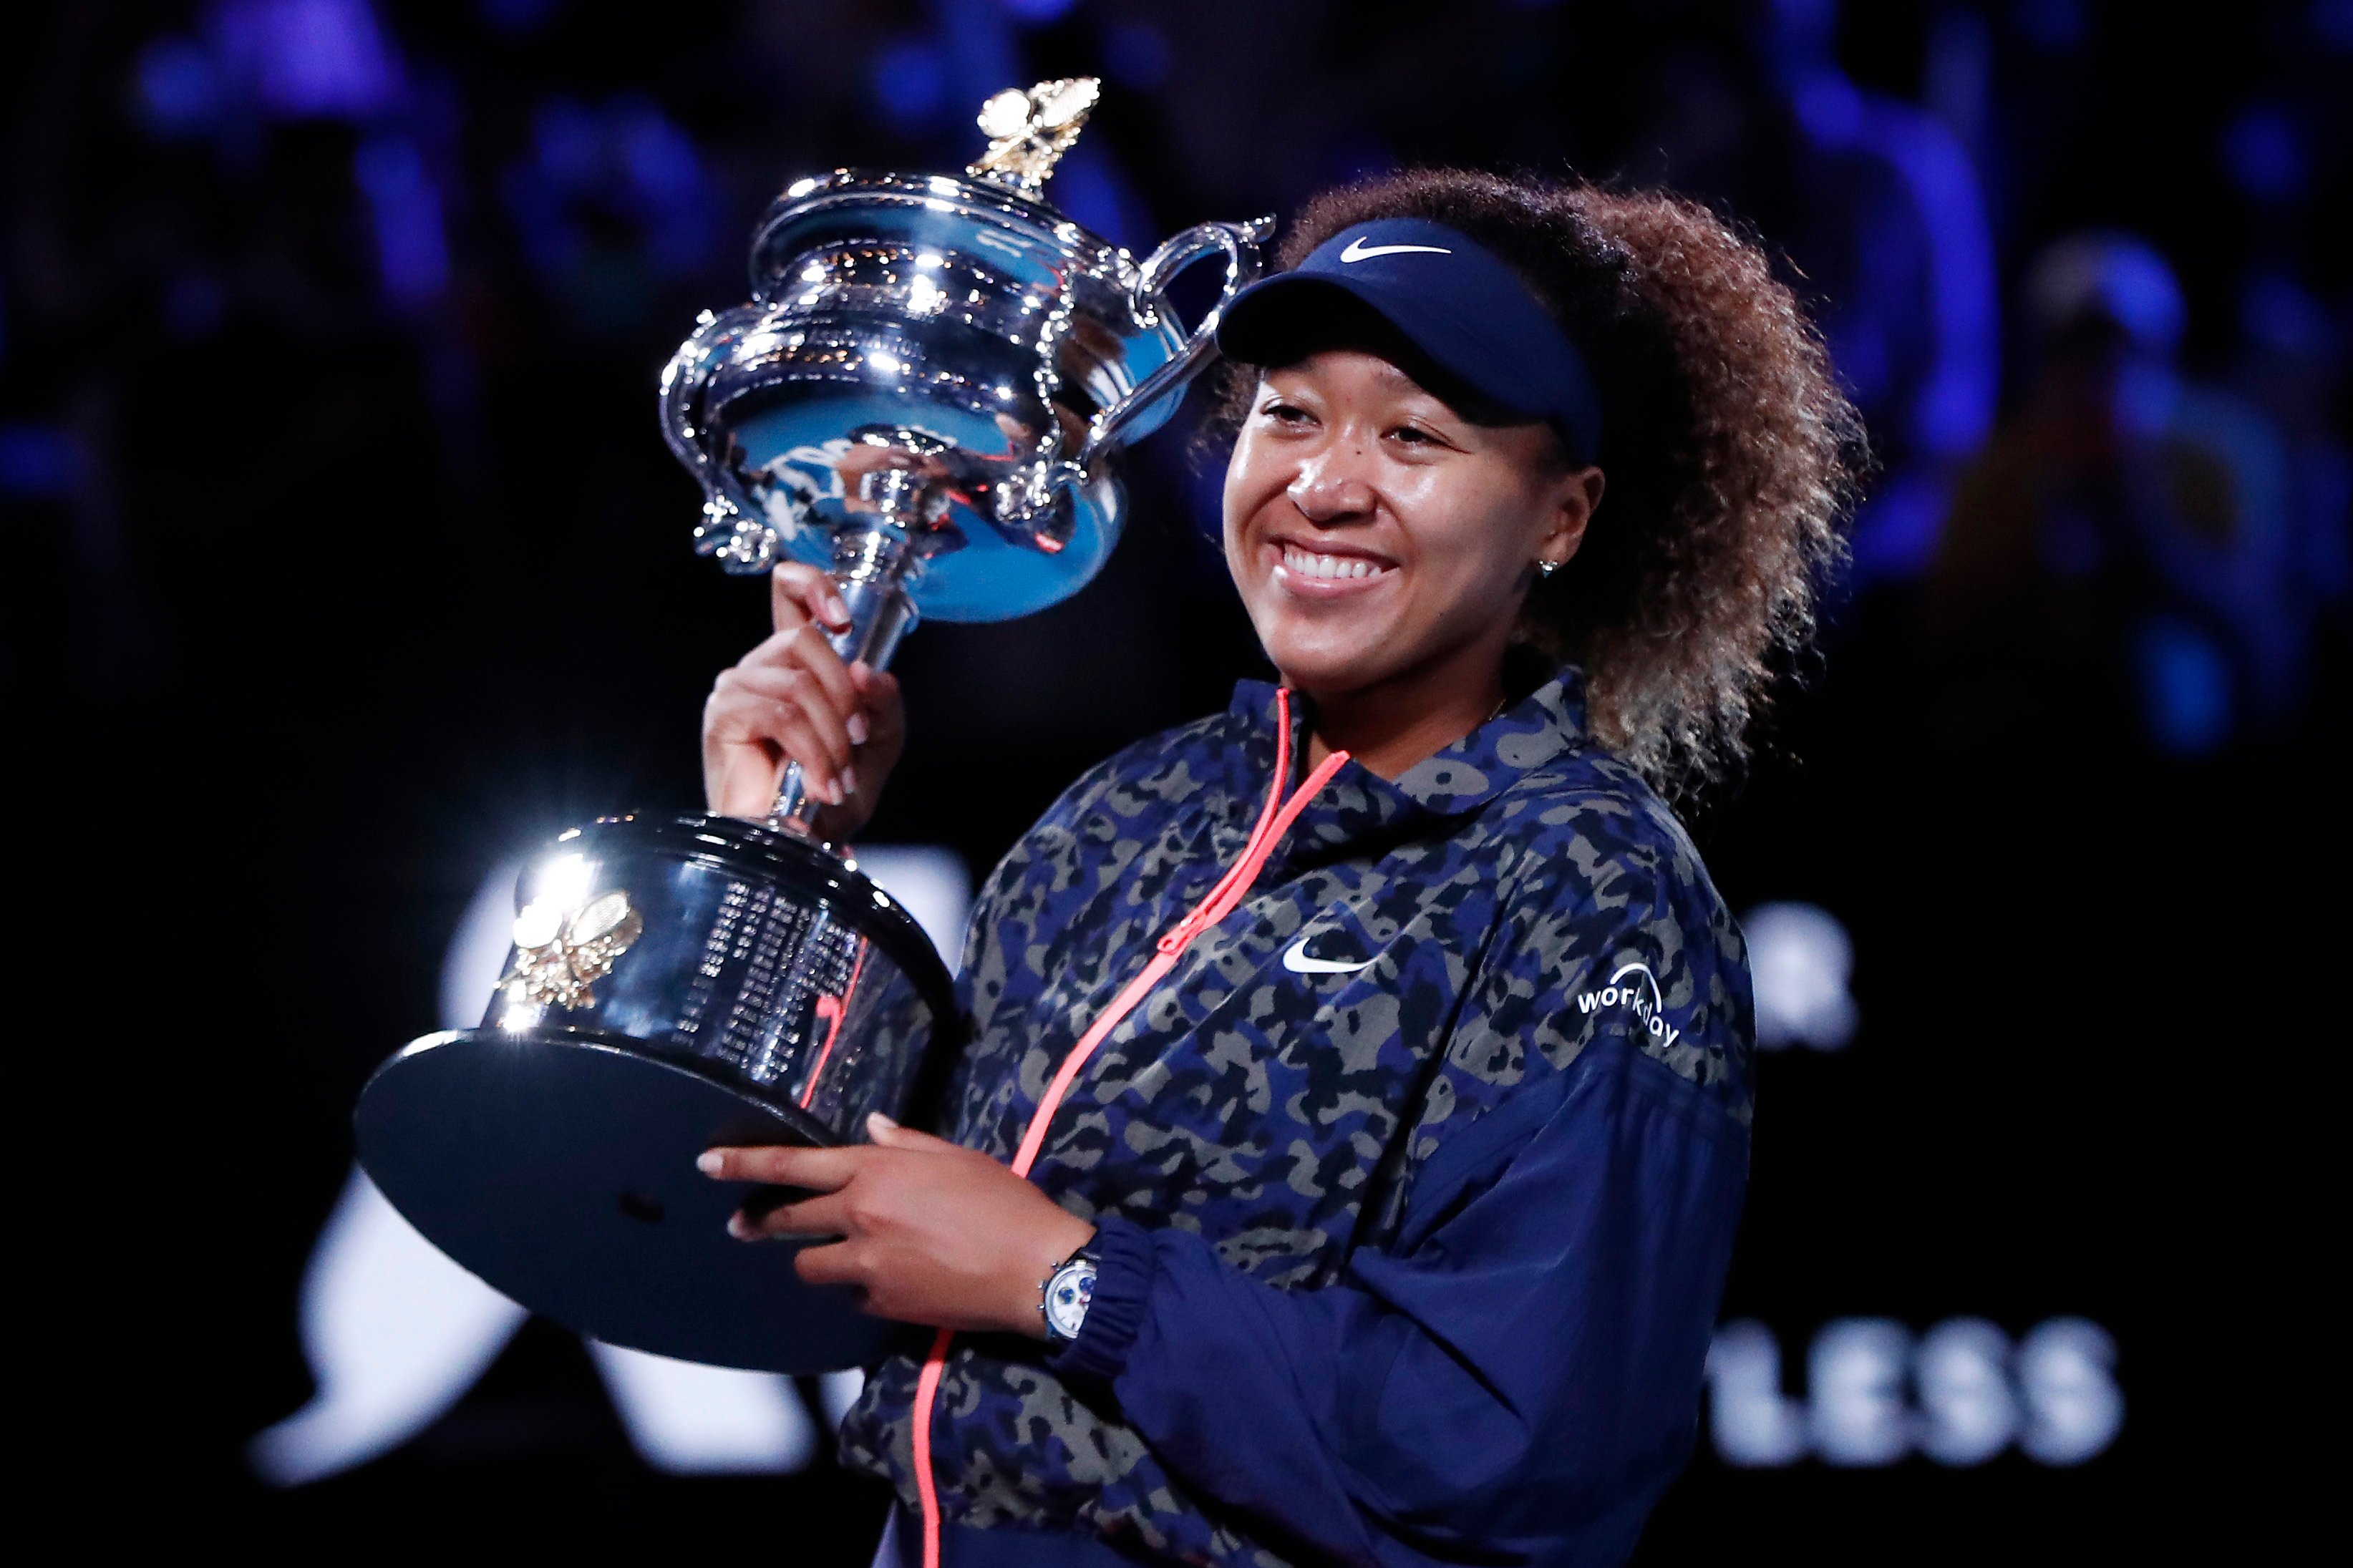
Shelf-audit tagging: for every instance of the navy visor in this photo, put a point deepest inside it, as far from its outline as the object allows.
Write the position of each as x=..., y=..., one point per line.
x=1452, y=298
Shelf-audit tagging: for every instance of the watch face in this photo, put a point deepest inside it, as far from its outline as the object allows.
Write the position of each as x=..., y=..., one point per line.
x=1067, y=1296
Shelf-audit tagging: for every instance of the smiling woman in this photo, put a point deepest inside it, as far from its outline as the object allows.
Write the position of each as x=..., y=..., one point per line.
x=1383, y=541
x=1730, y=452
x=1345, y=1161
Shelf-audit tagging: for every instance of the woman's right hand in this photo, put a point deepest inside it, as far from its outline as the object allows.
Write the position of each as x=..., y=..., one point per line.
x=792, y=700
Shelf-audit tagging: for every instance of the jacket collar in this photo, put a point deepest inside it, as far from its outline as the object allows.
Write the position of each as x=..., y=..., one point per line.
x=1456, y=782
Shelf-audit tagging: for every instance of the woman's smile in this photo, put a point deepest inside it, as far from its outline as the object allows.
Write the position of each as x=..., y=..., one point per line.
x=1317, y=570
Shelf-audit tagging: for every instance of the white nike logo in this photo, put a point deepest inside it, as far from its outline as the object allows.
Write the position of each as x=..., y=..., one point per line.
x=1296, y=959
x=1360, y=251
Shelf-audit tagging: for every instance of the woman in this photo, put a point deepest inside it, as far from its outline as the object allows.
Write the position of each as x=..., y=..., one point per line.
x=1372, y=1058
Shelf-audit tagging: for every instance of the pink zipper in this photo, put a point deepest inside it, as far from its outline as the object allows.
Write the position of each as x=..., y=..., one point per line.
x=1273, y=822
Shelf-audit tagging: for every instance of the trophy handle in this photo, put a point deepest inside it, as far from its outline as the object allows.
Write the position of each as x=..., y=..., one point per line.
x=1033, y=493
x=1238, y=242
x=722, y=531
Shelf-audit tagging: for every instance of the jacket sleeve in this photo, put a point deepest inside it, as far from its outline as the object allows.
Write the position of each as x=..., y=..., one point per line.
x=1517, y=1381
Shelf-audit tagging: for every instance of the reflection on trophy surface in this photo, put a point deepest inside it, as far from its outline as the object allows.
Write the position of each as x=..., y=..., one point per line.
x=923, y=399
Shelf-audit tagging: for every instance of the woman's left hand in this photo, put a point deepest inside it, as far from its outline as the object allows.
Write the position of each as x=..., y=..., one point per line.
x=930, y=1232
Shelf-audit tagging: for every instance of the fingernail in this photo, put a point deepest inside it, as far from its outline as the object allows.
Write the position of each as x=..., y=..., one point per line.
x=847, y=783
x=878, y=1123
x=857, y=728
x=738, y=1227
x=840, y=609
x=710, y=1161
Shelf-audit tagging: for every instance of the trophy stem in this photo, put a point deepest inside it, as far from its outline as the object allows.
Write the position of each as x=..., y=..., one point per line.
x=871, y=566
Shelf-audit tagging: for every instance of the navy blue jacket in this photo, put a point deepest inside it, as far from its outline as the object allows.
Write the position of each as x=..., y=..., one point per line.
x=1416, y=1180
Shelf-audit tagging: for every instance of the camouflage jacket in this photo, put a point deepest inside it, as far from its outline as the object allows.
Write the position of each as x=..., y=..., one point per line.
x=1415, y=1180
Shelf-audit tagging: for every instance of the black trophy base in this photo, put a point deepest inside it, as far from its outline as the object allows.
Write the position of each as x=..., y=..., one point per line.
x=561, y=1171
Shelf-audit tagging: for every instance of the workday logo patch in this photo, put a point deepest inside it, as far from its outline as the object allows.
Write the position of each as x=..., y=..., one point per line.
x=1643, y=997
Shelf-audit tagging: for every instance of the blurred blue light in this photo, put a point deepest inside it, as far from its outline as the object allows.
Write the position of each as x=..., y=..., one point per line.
x=2120, y=277
x=412, y=251
x=666, y=183
x=537, y=209
x=180, y=89
x=1091, y=189
x=911, y=80
x=1829, y=107
x=2053, y=26
x=37, y=462
x=306, y=58
x=2279, y=316
x=1951, y=410
x=517, y=15
x=625, y=159
x=389, y=168
x=193, y=307
x=1898, y=527
x=1036, y=13
x=1137, y=55
x=659, y=158
x=2264, y=154
x=2185, y=688
x=1807, y=23
x=570, y=147
x=2332, y=23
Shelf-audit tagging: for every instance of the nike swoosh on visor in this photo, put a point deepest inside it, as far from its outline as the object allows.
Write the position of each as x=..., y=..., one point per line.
x=1360, y=251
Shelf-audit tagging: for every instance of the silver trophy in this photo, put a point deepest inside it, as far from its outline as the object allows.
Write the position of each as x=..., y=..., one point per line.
x=923, y=397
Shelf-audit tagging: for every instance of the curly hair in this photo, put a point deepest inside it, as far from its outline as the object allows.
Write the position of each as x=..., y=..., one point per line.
x=1729, y=451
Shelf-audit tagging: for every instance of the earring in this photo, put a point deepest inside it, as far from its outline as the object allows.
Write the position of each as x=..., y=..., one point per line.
x=1544, y=569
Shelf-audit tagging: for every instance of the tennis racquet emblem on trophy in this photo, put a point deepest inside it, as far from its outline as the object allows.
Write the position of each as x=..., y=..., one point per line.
x=925, y=397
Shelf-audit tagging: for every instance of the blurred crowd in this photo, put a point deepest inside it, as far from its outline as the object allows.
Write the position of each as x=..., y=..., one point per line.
x=411, y=258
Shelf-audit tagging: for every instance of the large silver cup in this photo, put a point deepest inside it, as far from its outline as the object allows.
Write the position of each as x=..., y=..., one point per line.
x=925, y=397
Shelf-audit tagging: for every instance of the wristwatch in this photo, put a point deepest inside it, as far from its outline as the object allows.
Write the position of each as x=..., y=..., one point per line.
x=1064, y=1297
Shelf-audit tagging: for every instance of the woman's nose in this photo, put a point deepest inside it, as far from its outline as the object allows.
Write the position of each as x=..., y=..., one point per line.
x=1331, y=487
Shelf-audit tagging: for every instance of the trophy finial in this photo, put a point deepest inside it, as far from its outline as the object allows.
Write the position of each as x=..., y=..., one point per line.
x=1030, y=131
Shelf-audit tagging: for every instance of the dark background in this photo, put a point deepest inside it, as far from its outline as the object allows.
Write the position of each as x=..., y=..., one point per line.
x=346, y=560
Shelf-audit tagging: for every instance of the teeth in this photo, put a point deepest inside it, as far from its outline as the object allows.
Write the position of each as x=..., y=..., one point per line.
x=1300, y=564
